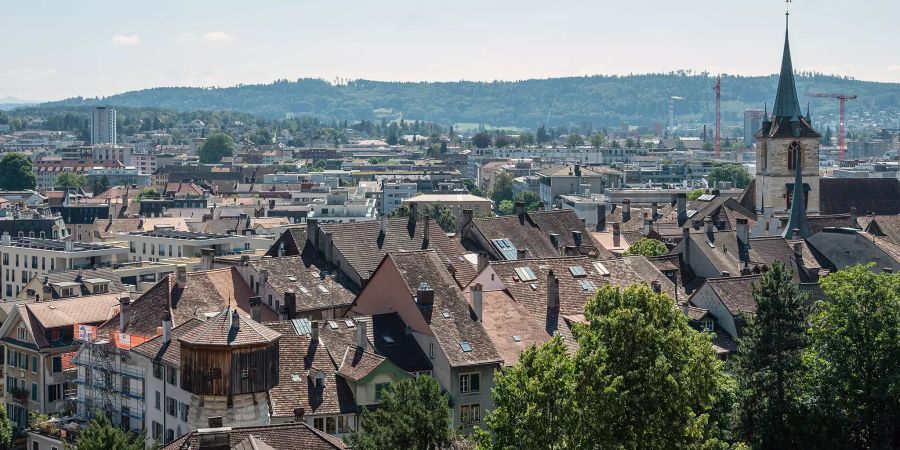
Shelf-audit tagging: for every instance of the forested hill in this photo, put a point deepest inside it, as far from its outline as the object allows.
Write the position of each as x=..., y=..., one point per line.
x=596, y=100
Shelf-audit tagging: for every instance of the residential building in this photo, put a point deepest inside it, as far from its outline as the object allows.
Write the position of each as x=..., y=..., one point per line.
x=161, y=244
x=103, y=125
x=753, y=119
x=576, y=179
x=456, y=203
x=394, y=193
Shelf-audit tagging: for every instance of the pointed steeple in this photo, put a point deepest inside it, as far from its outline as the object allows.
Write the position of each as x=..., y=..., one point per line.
x=787, y=106
x=798, y=203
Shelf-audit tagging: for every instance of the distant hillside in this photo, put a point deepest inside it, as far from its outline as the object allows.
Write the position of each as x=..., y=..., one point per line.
x=595, y=100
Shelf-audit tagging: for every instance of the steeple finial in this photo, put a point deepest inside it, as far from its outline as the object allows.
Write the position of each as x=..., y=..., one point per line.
x=787, y=104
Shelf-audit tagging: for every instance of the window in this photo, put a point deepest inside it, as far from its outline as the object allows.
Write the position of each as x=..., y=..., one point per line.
x=470, y=414
x=34, y=364
x=379, y=389
x=55, y=392
x=170, y=435
x=184, y=411
x=158, y=402
x=319, y=423
x=172, y=376
x=157, y=371
x=469, y=383
x=343, y=424
x=34, y=262
x=6, y=259
x=157, y=431
x=34, y=392
x=126, y=386
x=708, y=325
x=57, y=364
x=794, y=152
x=330, y=425
x=171, y=407
x=21, y=333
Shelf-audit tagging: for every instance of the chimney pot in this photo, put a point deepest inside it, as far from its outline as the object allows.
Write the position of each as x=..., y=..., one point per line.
x=124, y=311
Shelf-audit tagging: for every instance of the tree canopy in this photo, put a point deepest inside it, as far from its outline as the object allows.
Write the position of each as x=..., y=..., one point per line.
x=412, y=414
x=16, y=172
x=481, y=140
x=71, y=180
x=502, y=188
x=102, y=435
x=216, y=147
x=146, y=192
x=440, y=213
x=6, y=431
x=647, y=247
x=736, y=174
x=262, y=136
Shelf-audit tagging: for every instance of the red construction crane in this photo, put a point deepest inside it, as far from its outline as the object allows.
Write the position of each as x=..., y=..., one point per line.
x=843, y=99
x=718, y=89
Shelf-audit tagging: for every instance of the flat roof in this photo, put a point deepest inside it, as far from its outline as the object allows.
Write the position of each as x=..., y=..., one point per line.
x=57, y=245
x=175, y=234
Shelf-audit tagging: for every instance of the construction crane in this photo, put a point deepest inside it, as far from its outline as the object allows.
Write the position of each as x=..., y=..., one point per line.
x=672, y=115
x=843, y=99
x=718, y=89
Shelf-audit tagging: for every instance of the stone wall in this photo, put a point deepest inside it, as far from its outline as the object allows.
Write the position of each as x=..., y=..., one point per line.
x=772, y=173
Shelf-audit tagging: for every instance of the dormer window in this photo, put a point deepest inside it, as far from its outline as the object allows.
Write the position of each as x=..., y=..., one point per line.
x=707, y=324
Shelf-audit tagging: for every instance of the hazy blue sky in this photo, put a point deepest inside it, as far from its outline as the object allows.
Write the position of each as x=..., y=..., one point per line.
x=66, y=48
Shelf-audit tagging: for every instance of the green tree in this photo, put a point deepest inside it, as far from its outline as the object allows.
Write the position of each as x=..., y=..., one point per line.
x=695, y=194
x=629, y=142
x=769, y=367
x=647, y=247
x=574, y=140
x=146, y=192
x=532, y=201
x=826, y=137
x=261, y=137
x=854, y=359
x=598, y=139
x=645, y=378
x=506, y=208
x=542, y=136
x=71, y=180
x=535, y=401
x=6, y=431
x=502, y=188
x=99, y=185
x=16, y=172
x=481, y=140
x=736, y=174
x=472, y=187
x=102, y=435
x=216, y=147
x=413, y=414
x=615, y=144
x=440, y=213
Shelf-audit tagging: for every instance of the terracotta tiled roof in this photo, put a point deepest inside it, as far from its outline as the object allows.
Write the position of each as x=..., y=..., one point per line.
x=511, y=327
x=630, y=270
x=736, y=293
x=363, y=245
x=358, y=363
x=299, y=358
x=288, y=436
x=531, y=231
x=169, y=353
x=302, y=275
x=230, y=328
x=886, y=226
x=82, y=310
x=458, y=326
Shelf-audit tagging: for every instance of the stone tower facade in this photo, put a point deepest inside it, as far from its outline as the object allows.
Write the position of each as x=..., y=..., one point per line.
x=783, y=134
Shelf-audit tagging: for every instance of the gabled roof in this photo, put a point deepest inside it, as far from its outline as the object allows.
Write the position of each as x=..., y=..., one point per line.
x=79, y=277
x=839, y=248
x=736, y=293
x=40, y=316
x=511, y=327
x=168, y=353
x=394, y=341
x=287, y=436
x=302, y=275
x=458, y=326
x=364, y=246
x=531, y=231
x=885, y=226
x=867, y=195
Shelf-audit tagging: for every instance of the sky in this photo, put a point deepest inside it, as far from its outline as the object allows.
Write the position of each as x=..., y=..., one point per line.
x=60, y=49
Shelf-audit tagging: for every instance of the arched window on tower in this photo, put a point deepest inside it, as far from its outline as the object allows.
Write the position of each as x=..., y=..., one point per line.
x=793, y=150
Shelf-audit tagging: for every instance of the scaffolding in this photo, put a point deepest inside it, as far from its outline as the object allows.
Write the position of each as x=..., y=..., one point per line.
x=104, y=382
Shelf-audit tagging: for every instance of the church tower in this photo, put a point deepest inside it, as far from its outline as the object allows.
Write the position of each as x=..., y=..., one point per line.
x=786, y=139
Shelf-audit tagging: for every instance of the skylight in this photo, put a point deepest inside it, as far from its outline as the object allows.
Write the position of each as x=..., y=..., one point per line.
x=304, y=290
x=578, y=271
x=465, y=346
x=350, y=323
x=691, y=212
x=292, y=279
x=525, y=274
x=333, y=324
x=387, y=339
x=323, y=289
x=601, y=269
x=517, y=338
x=506, y=249
x=587, y=285
x=706, y=197
x=446, y=314
x=710, y=244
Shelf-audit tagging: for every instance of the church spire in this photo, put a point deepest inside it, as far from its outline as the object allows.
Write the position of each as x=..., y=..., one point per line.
x=787, y=106
x=798, y=202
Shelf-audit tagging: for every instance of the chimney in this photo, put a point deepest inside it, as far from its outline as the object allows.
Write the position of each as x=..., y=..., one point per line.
x=726, y=274
x=413, y=212
x=796, y=233
x=124, y=311
x=298, y=414
x=552, y=290
x=256, y=308
x=554, y=239
x=854, y=219
x=424, y=294
x=617, y=234
x=181, y=274
x=601, y=217
x=686, y=240
x=654, y=208
x=577, y=170
x=382, y=218
x=707, y=221
x=466, y=218
x=681, y=207
x=477, y=300
x=656, y=286
x=743, y=231
x=520, y=208
x=426, y=232
x=648, y=226
x=235, y=321
x=798, y=251
x=167, y=328
x=290, y=304
x=745, y=270
x=626, y=210
x=482, y=261
x=207, y=255
x=314, y=331
x=520, y=253
x=312, y=232
x=576, y=237
x=362, y=334
x=888, y=270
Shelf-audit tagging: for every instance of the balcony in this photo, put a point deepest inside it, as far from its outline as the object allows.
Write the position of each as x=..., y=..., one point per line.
x=19, y=395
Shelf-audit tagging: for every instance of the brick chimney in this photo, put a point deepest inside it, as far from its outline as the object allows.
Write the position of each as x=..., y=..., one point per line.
x=362, y=334
x=290, y=304
x=477, y=300
x=124, y=311
x=256, y=308
x=552, y=290
x=626, y=210
x=601, y=217
x=681, y=207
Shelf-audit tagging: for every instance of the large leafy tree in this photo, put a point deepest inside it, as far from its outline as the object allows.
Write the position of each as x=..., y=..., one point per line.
x=854, y=358
x=736, y=174
x=99, y=185
x=502, y=188
x=102, y=435
x=216, y=147
x=16, y=172
x=535, y=401
x=71, y=180
x=481, y=140
x=6, y=431
x=645, y=378
x=647, y=247
x=261, y=137
x=769, y=367
x=412, y=414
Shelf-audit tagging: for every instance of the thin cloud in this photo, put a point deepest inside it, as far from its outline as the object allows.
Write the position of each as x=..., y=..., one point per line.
x=217, y=36
x=125, y=40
